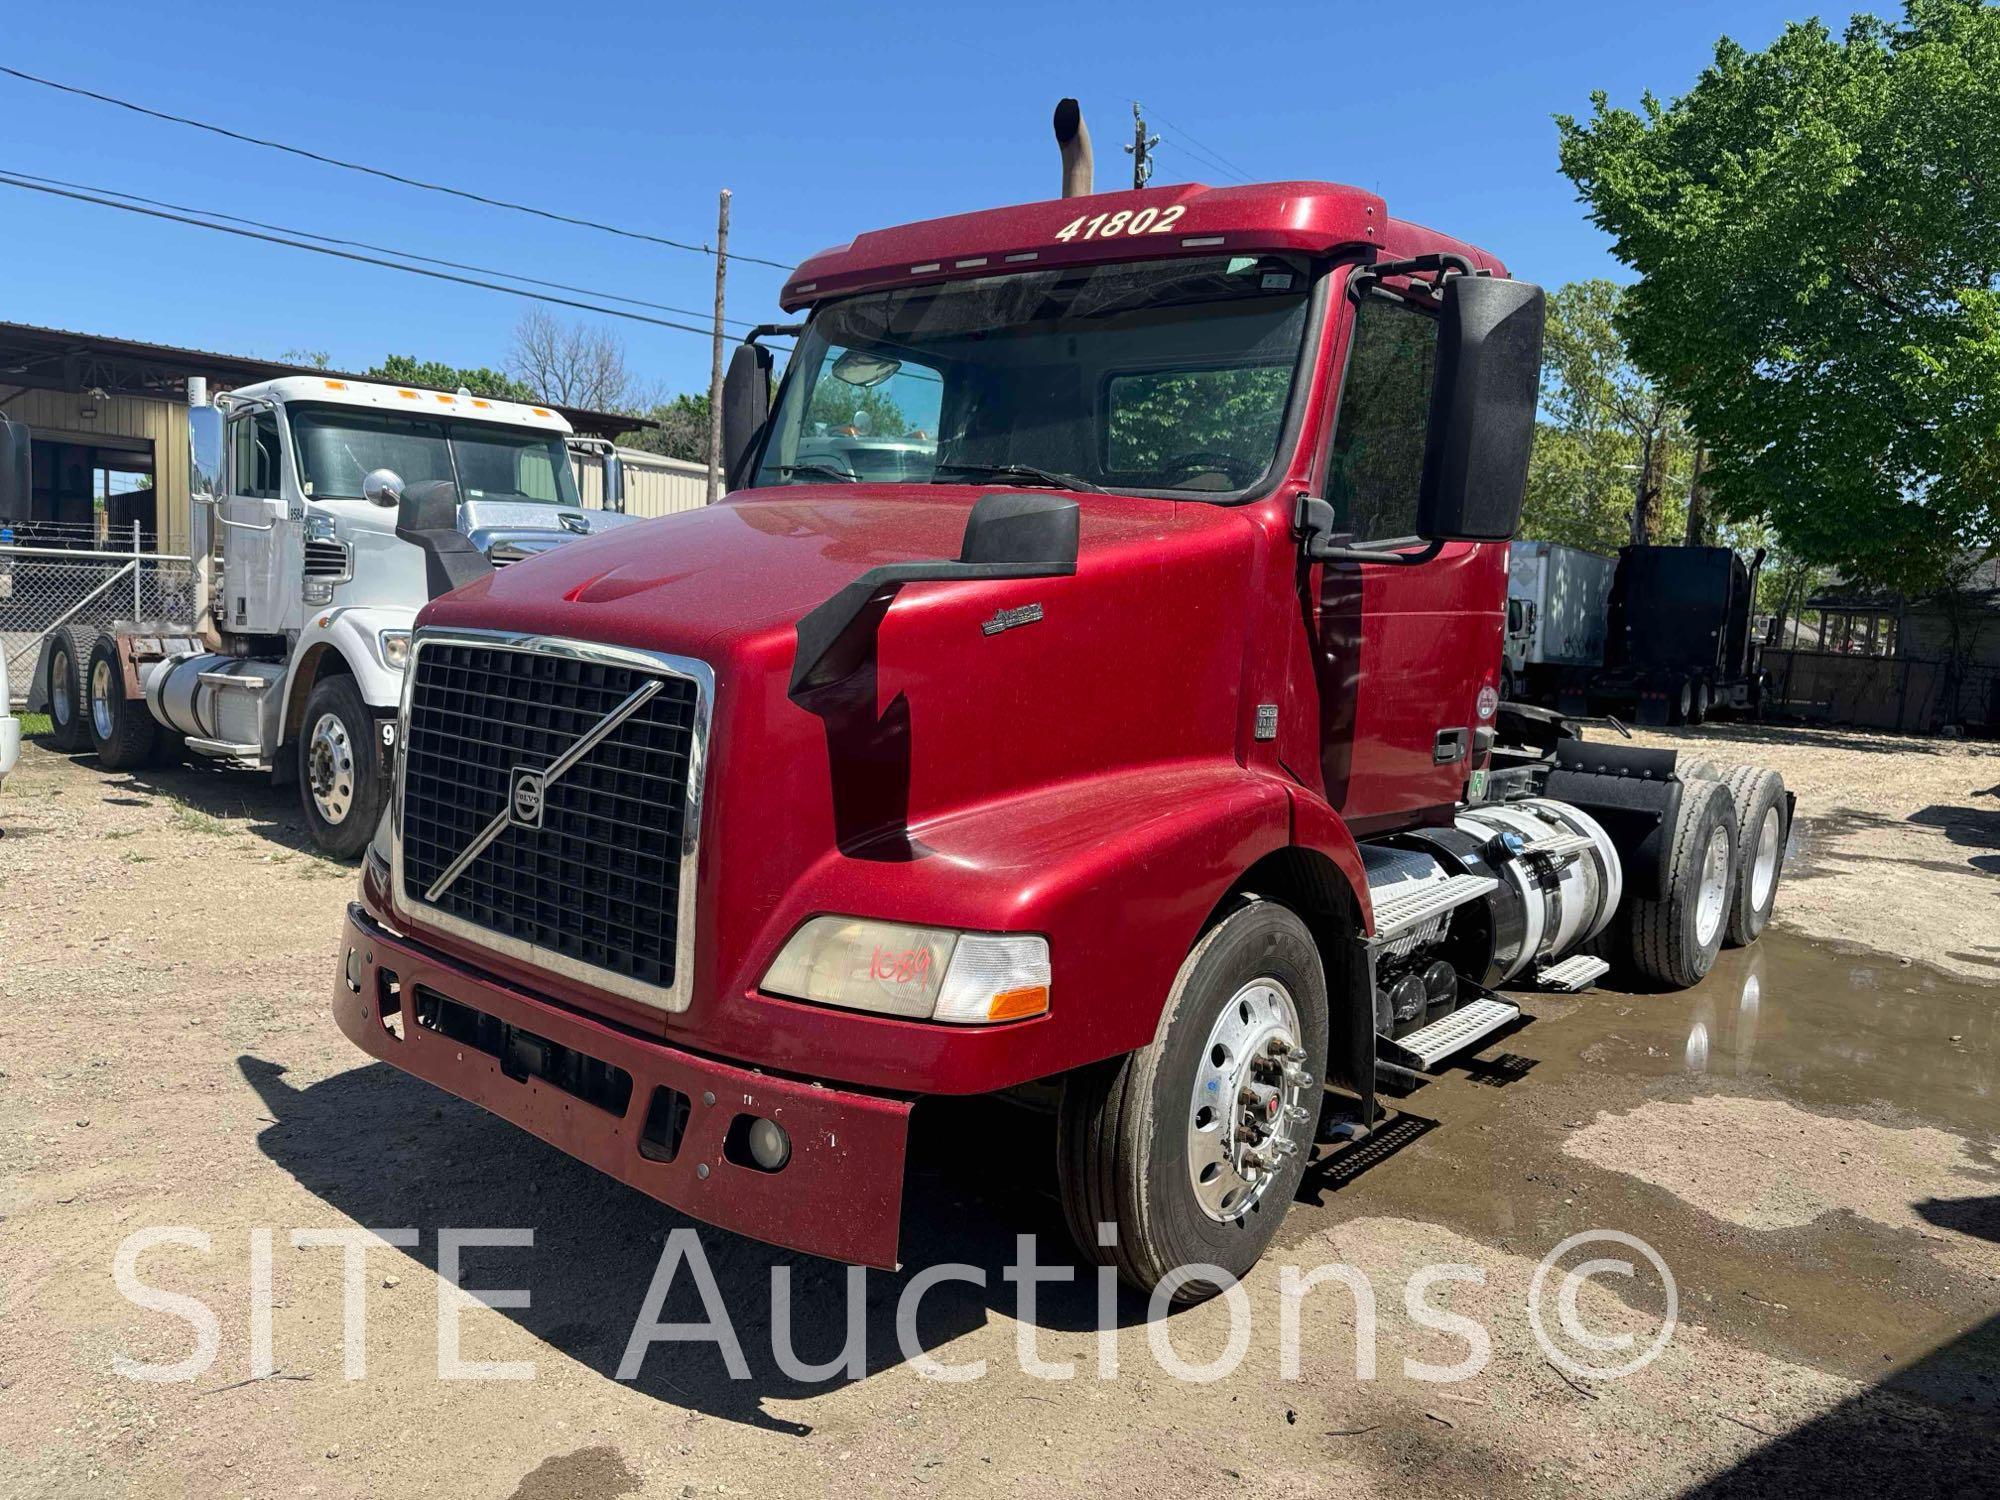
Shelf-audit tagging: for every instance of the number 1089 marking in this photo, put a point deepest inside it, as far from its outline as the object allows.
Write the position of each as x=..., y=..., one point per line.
x=1125, y=221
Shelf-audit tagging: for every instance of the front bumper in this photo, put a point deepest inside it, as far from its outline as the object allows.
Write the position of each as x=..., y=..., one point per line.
x=839, y=1194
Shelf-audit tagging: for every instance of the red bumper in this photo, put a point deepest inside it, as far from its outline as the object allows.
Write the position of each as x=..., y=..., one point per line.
x=839, y=1194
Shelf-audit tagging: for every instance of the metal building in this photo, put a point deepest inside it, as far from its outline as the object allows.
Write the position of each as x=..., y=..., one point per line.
x=109, y=418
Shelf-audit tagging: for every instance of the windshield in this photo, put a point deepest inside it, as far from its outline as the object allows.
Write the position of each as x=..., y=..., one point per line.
x=337, y=446
x=1168, y=376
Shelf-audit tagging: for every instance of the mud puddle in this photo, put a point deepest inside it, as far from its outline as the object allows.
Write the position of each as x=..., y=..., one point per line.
x=1808, y=1138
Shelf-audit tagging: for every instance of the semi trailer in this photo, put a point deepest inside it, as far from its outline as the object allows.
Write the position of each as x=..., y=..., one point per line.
x=1137, y=755
x=291, y=659
x=1556, y=602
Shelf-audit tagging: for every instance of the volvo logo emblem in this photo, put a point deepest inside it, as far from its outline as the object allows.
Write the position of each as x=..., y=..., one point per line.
x=524, y=800
x=573, y=521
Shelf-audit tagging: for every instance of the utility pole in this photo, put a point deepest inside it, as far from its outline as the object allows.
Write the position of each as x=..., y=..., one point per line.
x=1141, y=149
x=715, y=361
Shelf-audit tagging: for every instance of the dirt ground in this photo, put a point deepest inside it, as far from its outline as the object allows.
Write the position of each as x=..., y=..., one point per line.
x=1807, y=1140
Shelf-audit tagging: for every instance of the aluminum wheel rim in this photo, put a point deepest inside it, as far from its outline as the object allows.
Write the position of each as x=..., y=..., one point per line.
x=1687, y=700
x=62, y=673
x=1245, y=1118
x=100, y=698
x=330, y=768
x=1764, y=872
x=1713, y=892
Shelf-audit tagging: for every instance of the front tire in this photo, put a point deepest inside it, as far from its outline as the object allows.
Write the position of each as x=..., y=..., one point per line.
x=1674, y=939
x=1192, y=1147
x=122, y=730
x=340, y=788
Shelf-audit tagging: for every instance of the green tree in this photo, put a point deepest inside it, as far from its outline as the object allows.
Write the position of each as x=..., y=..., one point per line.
x=407, y=369
x=683, y=428
x=1613, y=461
x=1817, y=234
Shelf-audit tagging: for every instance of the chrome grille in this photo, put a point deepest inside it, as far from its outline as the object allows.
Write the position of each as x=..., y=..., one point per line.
x=326, y=559
x=599, y=884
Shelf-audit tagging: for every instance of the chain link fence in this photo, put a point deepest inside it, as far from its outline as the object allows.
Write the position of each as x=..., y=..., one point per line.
x=47, y=583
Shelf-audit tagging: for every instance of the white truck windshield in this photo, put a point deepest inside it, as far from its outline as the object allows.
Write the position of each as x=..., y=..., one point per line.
x=338, y=446
x=1168, y=376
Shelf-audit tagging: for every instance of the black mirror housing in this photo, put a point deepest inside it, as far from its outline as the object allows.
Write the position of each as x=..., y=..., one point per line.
x=16, y=476
x=746, y=407
x=427, y=518
x=1482, y=423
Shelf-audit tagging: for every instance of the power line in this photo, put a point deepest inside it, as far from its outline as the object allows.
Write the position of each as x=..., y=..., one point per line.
x=1200, y=152
x=328, y=239
x=10, y=180
x=351, y=166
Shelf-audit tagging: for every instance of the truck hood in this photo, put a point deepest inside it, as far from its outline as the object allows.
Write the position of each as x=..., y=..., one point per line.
x=698, y=581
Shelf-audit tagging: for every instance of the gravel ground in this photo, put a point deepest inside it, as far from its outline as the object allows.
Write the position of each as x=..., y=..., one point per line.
x=1819, y=1173
x=1898, y=846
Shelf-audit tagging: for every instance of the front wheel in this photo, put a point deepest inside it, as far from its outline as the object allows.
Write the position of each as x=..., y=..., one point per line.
x=340, y=789
x=1187, y=1152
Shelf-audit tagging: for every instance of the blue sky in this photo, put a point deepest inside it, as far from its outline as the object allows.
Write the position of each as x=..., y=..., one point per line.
x=823, y=119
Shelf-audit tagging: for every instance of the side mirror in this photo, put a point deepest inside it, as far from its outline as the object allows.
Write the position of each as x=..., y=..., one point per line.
x=383, y=487
x=16, y=477
x=746, y=406
x=205, y=427
x=427, y=518
x=1482, y=425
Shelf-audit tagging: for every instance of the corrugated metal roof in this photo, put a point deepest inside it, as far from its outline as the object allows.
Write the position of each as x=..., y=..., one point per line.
x=34, y=343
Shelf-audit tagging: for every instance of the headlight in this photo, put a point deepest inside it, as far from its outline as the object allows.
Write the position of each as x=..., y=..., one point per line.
x=395, y=648
x=924, y=973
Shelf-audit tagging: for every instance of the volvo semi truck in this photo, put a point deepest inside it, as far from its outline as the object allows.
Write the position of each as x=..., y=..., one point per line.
x=291, y=659
x=1138, y=752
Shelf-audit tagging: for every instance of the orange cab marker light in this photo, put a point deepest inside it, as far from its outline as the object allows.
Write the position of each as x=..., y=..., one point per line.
x=336, y=385
x=538, y=411
x=1012, y=1005
x=483, y=405
x=448, y=400
x=407, y=395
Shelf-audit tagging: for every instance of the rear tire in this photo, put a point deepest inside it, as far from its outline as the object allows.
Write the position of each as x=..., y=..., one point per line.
x=122, y=730
x=69, y=674
x=1133, y=1148
x=340, y=787
x=1761, y=831
x=1674, y=940
x=1680, y=704
x=1703, y=701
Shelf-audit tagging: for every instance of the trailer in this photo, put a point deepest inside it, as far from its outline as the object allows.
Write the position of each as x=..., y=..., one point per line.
x=290, y=660
x=1680, y=640
x=1556, y=602
x=1133, y=748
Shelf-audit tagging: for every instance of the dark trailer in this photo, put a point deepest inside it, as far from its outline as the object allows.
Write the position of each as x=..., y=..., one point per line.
x=1679, y=642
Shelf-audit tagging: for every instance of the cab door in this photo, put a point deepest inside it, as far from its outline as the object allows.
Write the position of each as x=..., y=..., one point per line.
x=261, y=545
x=1406, y=650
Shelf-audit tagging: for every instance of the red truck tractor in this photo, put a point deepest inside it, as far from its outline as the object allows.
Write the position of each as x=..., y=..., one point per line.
x=1138, y=749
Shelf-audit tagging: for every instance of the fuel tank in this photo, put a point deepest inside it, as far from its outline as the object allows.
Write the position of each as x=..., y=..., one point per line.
x=218, y=701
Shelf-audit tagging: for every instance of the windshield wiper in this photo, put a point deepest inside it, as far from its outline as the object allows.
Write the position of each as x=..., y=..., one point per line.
x=825, y=471
x=1019, y=474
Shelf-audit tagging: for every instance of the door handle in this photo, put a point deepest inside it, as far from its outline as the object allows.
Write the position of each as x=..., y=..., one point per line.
x=1449, y=747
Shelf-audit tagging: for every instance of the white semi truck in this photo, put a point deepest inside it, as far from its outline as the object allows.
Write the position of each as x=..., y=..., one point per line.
x=303, y=594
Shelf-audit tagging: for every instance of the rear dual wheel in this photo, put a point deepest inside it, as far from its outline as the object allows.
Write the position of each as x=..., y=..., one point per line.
x=69, y=667
x=1758, y=794
x=1675, y=937
x=1191, y=1148
x=123, y=731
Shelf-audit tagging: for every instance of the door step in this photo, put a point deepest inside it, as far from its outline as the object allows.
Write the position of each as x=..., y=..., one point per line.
x=250, y=757
x=1576, y=973
x=1427, y=1046
x=1400, y=912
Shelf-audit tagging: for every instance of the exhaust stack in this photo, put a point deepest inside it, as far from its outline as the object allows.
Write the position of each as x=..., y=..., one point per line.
x=1073, y=139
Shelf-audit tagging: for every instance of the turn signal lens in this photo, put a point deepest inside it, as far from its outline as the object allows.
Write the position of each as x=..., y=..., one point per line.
x=921, y=973
x=995, y=978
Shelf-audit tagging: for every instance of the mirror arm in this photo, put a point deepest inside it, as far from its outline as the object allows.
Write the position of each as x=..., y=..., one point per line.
x=770, y=330
x=1315, y=525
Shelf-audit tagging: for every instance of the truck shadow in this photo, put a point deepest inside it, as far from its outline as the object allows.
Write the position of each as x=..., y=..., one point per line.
x=245, y=801
x=388, y=1150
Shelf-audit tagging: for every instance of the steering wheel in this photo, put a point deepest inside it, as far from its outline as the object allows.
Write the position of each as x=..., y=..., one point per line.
x=1205, y=459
